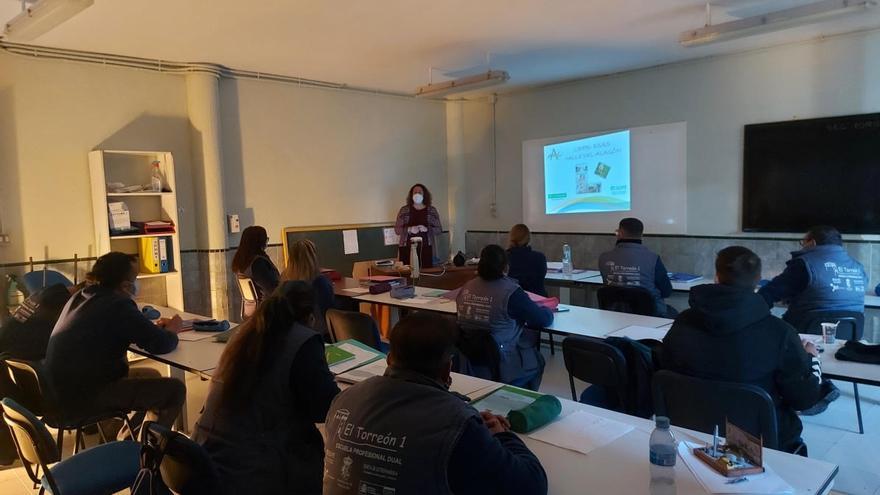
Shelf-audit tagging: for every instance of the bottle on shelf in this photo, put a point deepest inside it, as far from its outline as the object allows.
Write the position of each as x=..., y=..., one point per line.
x=566, y=260
x=156, y=177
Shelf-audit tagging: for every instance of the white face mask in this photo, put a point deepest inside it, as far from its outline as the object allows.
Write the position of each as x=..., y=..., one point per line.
x=134, y=288
x=418, y=198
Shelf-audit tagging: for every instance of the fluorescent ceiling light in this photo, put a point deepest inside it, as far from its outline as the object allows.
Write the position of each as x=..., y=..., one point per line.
x=461, y=85
x=773, y=21
x=42, y=17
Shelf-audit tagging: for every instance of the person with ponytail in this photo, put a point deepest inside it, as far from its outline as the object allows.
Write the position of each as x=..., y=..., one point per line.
x=272, y=385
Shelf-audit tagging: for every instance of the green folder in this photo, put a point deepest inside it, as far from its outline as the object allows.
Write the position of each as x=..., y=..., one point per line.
x=335, y=355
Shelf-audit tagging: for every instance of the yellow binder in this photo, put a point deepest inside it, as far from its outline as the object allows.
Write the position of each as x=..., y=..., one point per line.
x=148, y=255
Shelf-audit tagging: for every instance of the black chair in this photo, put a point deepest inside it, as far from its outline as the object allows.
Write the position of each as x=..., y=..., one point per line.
x=592, y=360
x=479, y=352
x=633, y=300
x=184, y=465
x=701, y=405
x=851, y=327
x=34, y=393
x=344, y=325
x=107, y=468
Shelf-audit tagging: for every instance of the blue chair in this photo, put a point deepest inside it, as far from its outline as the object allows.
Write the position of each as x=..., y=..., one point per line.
x=107, y=468
x=34, y=282
x=344, y=325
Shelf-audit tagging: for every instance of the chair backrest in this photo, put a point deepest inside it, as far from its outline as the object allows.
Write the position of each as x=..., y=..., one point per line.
x=480, y=349
x=184, y=465
x=594, y=361
x=32, y=439
x=355, y=325
x=28, y=379
x=38, y=280
x=248, y=292
x=851, y=327
x=633, y=300
x=701, y=404
x=248, y=289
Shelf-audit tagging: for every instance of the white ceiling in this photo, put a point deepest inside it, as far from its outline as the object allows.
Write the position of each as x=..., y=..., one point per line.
x=390, y=44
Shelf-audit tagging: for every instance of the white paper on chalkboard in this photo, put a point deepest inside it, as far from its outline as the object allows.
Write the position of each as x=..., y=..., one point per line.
x=350, y=241
x=391, y=237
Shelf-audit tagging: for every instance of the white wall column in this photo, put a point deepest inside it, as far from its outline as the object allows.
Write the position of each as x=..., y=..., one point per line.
x=456, y=175
x=203, y=108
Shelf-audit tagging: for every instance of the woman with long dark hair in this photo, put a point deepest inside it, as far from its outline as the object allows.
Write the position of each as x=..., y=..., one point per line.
x=418, y=218
x=271, y=387
x=251, y=261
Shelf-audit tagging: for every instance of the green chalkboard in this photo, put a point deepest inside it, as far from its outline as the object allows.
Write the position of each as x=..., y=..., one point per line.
x=371, y=244
x=328, y=240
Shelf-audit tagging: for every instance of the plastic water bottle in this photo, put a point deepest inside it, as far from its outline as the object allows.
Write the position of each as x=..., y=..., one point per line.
x=663, y=454
x=566, y=260
x=156, y=178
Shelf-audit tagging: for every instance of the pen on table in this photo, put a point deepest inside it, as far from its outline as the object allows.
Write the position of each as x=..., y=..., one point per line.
x=736, y=480
x=715, y=442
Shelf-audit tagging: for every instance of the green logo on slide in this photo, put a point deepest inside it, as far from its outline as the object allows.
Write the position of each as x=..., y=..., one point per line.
x=554, y=155
x=557, y=196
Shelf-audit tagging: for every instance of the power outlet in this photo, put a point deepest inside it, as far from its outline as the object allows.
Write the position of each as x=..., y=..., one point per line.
x=233, y=223
x=4, y=239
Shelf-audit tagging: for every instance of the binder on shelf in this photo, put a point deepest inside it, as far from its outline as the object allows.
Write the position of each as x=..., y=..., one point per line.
x=155, y=227
x=163, y=254
x=148, y=255
x=154, y=254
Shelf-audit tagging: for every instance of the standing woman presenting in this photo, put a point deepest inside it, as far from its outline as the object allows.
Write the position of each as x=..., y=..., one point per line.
x=418, y=219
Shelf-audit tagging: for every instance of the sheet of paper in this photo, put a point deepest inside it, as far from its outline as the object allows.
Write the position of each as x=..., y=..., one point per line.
x=466, y=385
x=193, y=336
x=638, y=333
x=350, y=241
x=421, y=300
x=357, y=375
x=391, y=237
x=362, y=355
x=768, y=482
x=582, y=432
x=554, y=265
x=356, y=290
x=506, y=399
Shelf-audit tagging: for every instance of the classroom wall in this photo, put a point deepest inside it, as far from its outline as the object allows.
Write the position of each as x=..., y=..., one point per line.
x=296, y=156
x=52, y=113
x=715, y=96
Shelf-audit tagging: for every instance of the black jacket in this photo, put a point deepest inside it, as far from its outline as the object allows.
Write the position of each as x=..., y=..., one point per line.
x=88, y=347
x=528, y=268
x=729, y=335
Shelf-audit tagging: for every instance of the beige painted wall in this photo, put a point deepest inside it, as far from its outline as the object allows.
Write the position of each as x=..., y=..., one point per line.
x=51, y=115
x=292, y=155
x=715, y=96
x=302, y=156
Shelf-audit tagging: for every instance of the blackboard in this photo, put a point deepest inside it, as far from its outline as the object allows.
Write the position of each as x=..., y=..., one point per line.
x=371, y=245
x=328, y=240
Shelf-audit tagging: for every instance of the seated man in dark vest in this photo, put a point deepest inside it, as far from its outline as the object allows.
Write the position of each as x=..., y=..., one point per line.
x=819, y=277
x=728, y=334
x=496, y=303
x=406, y=433
x=631, y=264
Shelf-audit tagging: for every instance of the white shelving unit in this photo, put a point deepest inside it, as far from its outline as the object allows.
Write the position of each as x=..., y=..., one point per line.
x=131, y=168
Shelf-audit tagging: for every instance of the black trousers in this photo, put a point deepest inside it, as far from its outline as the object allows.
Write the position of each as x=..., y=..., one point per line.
x=144, y=390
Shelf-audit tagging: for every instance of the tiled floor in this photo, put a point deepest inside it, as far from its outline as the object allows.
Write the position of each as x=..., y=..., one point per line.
x=832, y=436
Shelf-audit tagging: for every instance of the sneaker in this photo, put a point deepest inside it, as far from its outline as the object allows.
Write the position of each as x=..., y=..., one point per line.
x=830, y=392
x=817, y=408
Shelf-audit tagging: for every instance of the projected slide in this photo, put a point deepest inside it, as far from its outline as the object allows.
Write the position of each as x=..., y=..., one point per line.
x=588, y=175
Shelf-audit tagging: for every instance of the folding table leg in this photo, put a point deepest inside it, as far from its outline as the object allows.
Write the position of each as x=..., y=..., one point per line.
x=858, y=408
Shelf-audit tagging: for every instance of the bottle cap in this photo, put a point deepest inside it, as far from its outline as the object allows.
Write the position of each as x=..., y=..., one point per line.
x=662, y=422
